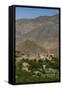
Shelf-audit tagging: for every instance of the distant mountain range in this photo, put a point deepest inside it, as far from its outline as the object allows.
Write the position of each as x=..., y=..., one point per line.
x=38, y=35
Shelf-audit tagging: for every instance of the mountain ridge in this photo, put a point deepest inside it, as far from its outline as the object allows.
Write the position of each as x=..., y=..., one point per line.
x=43, y=30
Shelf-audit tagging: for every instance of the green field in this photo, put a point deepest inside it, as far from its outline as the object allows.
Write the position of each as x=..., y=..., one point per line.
x=37, y=71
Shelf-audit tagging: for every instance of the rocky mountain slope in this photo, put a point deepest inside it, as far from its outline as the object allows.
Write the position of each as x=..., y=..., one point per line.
x=37, y=33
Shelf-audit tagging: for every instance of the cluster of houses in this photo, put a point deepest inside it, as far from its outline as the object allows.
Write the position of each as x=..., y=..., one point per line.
x=42, y=56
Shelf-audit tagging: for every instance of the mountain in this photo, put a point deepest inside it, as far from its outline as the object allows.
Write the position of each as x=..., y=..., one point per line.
x=42, y=31
x=29, y=46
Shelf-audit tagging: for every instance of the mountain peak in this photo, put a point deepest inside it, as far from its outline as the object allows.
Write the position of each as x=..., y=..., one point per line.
x=37, y=34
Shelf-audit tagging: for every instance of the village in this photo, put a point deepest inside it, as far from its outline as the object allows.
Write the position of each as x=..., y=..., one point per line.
x=37, y=66
x=37, y=56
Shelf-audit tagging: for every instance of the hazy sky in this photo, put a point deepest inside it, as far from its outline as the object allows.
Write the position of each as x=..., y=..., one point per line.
x=28, y=13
